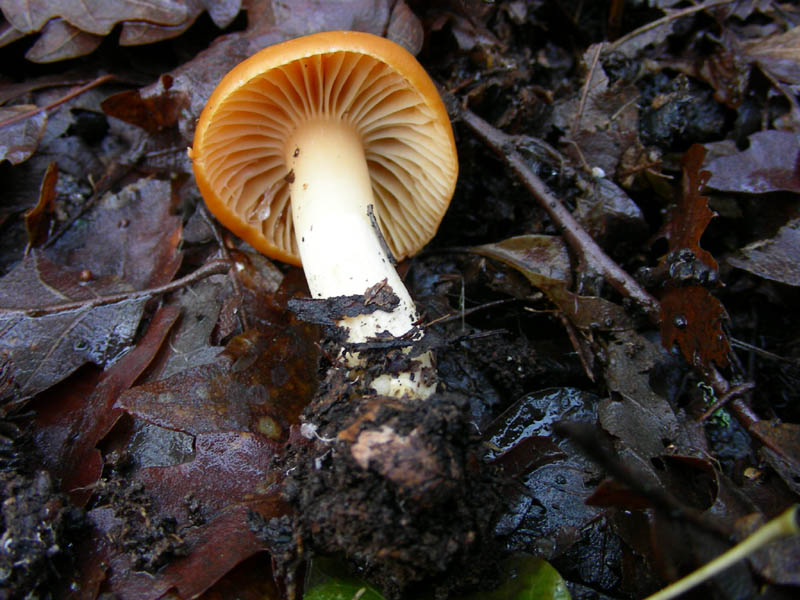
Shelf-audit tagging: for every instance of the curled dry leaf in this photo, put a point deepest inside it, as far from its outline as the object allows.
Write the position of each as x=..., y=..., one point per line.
x=19, y=140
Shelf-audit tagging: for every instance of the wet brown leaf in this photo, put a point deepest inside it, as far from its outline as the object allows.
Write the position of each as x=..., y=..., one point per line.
x=272, y=376
x=770, y=164
x=692, y=319
x=132, y=235
x=640, y=418
x=39, y=218
x=204, y=565
x=691, y=215
x=690, y=316
x=71, y=422
x=19, y=140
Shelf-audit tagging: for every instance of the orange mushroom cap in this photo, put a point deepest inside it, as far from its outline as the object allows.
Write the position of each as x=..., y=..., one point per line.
x=240, y=144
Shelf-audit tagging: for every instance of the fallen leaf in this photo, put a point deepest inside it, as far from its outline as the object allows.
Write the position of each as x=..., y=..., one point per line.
x=637, y=416
x=775, y=258
x=228, y=469
x=39, y=218
x=213, y=550
x=778, y=54
x=770, y=164
x=273, y=375
x=70, y=423
x=92, y=16
x=544, y=261
x=136, y=33
x=59, y=41
x=690, y=216
x=132, y=235
x=692, y=318
x=47, y=335
x=19, y=140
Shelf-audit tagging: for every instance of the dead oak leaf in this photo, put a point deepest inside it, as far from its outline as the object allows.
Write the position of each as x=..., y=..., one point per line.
x=691, y=214
x=93, y=16
x=71, y=422
x=59, y=41
x=770, y=164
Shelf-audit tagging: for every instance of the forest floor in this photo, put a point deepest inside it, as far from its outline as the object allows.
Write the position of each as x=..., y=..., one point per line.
x=612, y=299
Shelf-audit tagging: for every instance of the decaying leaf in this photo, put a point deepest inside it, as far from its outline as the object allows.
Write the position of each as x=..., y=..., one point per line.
x=690, y=316
x=19, y=140
x=39, y=218
x=72, y=421
x=93, y=16
x=693, y=320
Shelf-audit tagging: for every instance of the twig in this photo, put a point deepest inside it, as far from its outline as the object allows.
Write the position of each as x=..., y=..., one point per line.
x=215, y=267
x=73, y=94
x=586, y=89
x=581, y=242
x=461, y=314
x=223, y=249
x=663, y=21
x=784, y=525
x=723, y=400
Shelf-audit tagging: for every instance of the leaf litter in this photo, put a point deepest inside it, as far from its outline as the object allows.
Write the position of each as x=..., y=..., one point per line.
x=168, y=375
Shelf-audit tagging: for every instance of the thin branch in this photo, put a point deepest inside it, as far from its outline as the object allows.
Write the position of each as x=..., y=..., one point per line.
x=215, y=267
x=581, y=242
x=73, y=94
x=663, y=21
x=241, y=313
x=586, y=89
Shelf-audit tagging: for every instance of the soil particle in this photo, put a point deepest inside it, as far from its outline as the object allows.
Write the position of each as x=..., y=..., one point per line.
x=150, y=541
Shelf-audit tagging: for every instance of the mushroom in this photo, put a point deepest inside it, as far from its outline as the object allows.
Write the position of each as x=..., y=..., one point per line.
x=324, y=151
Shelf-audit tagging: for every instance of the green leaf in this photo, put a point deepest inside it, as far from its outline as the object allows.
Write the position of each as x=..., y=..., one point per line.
x=527, y=578
x=342, y=590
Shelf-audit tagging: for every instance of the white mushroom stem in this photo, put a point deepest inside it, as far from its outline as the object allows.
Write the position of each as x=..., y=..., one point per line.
x=340, y=250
